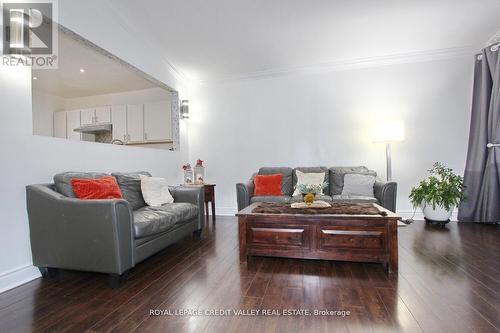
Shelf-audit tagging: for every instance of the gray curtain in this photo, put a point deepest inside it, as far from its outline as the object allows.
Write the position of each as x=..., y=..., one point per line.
x=482, y=171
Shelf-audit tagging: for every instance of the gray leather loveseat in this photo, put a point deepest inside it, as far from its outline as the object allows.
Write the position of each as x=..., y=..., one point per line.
x=106, y=236
x=384, y=192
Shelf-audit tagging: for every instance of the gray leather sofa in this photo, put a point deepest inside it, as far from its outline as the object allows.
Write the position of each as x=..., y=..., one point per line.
x=106, y=236
x=384, y=192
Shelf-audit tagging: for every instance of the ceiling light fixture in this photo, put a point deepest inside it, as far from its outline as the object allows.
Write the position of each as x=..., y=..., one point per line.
x=35, y=78
x=82, y=70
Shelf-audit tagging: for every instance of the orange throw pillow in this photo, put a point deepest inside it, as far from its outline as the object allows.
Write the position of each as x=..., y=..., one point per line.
x=100, y=188
x=268, y=185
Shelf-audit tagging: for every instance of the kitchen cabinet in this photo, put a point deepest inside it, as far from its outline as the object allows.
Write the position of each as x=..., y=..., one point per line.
x=119, y=121
x=96, y=115
x=87, y=116
x=135, y=123
x=60, y=124
x=157, y=123
x=72, y=122
x=103, y=114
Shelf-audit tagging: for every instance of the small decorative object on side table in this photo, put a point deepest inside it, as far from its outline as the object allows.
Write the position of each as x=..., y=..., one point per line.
x=199, y=172
x=188, y=174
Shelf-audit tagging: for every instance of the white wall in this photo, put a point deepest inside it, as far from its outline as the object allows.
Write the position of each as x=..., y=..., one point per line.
x=325, y=119
x=129, y=97
x=28, y=159
x=44, y=106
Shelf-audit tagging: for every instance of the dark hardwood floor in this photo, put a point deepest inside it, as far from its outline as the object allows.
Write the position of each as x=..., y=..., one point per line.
x=448, y=281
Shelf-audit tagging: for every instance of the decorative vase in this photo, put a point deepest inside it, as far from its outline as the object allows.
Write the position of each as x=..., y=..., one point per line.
x=188, y=175
x=199, y=172
x=309, y=198
x=436, y=214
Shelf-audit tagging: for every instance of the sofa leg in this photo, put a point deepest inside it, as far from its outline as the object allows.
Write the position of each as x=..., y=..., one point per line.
x=117, y=280
x=197, y=233
x=49, y=272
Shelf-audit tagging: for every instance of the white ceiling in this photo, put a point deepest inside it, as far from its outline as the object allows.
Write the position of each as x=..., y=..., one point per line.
x=219, y=39
x=102, y=75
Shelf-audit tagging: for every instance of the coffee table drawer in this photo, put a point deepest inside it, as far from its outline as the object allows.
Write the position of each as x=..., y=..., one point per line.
x=360, y=239
x=287, y=236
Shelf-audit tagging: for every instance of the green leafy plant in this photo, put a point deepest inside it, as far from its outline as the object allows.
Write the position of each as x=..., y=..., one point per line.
x=442, y=188
x=305, y=189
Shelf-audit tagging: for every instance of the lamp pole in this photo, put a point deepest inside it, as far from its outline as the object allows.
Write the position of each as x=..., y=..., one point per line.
x=388, y=161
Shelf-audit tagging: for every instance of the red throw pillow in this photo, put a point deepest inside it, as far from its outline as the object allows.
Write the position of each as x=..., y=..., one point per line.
x=100, y=188
x=267, y=185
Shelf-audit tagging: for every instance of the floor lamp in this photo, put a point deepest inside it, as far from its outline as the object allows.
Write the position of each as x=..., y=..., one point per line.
x=388, y=132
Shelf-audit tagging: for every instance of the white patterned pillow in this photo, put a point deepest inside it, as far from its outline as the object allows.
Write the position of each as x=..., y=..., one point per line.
x=155, y=191
x=358, y=184
x=311, y=178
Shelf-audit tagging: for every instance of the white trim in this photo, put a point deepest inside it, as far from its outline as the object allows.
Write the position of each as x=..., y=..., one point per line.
x=17, y=277
x=352, y=63
x=405, y=214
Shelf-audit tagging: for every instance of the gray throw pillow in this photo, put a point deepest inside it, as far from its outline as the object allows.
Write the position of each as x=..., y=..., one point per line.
x=62, y=180
x=357, y=184
x=130, y=186
x=337, y=177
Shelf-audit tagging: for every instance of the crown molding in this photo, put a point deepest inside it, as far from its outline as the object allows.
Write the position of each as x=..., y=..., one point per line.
x=350, y=64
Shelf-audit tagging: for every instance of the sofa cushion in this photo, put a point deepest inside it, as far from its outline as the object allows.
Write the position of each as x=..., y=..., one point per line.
x=358, y=184
x=105, y=187
x=62, y=180
x=282, y=199
x=337, y=177
x=155, y=191
x=153, y=220
x=326, y=190
x=354, y=198
x=130, y=186
x=299, y=198
x=268, y=185
x=308, y=179
x=183, y=211
x=287, y=180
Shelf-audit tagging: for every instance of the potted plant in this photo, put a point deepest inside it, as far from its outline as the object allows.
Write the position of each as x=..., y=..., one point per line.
x=439, y=194
x=309, y=191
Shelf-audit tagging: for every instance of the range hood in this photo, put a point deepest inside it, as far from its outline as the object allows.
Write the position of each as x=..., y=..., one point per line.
x=95, y=128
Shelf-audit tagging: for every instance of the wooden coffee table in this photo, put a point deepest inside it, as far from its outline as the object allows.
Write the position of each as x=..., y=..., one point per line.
x=361, y=238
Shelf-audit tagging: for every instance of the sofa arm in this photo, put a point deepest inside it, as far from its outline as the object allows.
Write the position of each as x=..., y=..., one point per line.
x=386, y=192
x=194, y=195
x=87, y=235
x=244, y=192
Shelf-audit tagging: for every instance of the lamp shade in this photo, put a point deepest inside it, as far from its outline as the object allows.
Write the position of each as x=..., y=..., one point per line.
x=388, y=131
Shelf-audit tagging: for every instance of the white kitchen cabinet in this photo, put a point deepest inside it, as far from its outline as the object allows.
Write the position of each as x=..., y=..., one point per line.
x=60, y=124
x=87, y=116
x=103, y=114
x=96, y=115
x=135, y=123
x=157, y=123
x=119, y=122
x=72, y=122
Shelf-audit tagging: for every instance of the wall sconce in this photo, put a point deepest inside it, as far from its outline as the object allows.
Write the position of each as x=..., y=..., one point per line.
x=184, y=109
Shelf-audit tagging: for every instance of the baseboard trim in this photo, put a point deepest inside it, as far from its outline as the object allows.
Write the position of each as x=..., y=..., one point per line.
x=17, y=277
x=405, y=214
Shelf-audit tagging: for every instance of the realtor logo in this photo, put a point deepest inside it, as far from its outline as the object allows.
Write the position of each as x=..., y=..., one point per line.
x=29, y=33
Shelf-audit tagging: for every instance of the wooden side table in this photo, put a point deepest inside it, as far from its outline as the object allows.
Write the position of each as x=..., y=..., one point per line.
x=209, y=197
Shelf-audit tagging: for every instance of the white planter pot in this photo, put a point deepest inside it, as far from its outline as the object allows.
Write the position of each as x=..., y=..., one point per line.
x=438, y=214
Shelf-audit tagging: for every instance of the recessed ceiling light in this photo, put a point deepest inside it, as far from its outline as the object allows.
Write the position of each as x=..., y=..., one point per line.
x=82, y=70
x=35, y=78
